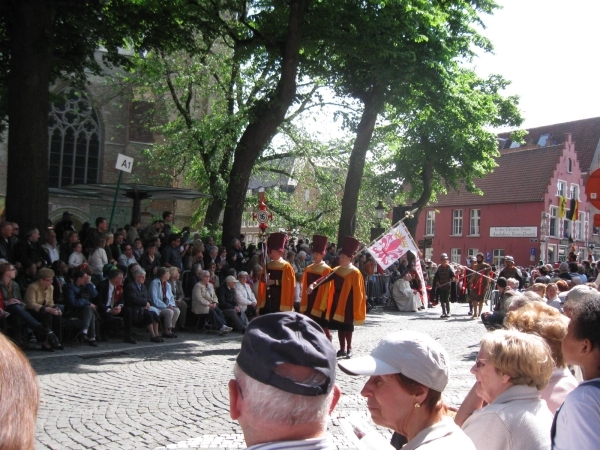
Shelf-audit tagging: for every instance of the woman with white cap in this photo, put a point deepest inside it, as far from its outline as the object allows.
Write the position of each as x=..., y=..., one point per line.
x=408, y=371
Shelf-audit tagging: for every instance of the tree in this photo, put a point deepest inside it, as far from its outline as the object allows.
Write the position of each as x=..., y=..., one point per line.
x=376, y=49
x=43, y=41
x=443, y=139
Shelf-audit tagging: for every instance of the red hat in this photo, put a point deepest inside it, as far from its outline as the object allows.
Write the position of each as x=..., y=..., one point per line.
x=319, y=244
x=277, y=242
x=349, y=246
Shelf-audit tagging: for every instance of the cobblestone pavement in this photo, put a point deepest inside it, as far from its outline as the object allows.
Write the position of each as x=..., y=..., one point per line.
x=174, y=394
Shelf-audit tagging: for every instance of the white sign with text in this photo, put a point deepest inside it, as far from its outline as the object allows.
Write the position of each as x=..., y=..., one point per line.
x=124, y=163
x=512, y=232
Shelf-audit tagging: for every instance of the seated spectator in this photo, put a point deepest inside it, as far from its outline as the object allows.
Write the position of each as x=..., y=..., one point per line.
x=194, y=277
x=406, y=298
x=153, y=231
x=98, y=258
x=214, y=276
x=496, y=319
x=150, y=262
x=194, y=257
x=178, y=295
x=92, y=235
x=76, y=257
x=138, y=249
x=7, y=251
x=205, y=301
x=138, y=300
x=408, y=371
x=26, y=277
x=61, y=270
x=51, y=247
x=39, y=302
x=20, y=396
x=10, y=302
x=126, y=257
x=228, y=305
x=66, y=248
x=575, y=424
x=162, y=301
x=511, y=370
x=64, y=226
x=257, y=271
x=111, y=304
x=110, y=239
x=244, y=296
x=546, y=322
x=133, y=232
x=172, y=254
x=29, y=250
x=79, y=294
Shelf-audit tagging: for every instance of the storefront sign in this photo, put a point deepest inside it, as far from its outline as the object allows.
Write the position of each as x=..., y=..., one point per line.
x=513, y=232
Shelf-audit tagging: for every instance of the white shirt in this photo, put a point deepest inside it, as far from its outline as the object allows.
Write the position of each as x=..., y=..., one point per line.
x=52, y=252
x=305, y=444
x=578, y=418
x=444, y=435
x=76, y=259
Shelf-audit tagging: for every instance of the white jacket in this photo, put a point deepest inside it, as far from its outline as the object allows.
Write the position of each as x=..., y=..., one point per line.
x=243, y=295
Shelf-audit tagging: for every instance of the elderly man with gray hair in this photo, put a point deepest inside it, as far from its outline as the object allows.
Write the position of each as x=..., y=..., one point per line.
x=576, y=295
x=229, y=306
x=284, y=386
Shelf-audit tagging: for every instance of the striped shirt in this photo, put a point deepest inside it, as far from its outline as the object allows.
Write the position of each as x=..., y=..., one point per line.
x=323, y=443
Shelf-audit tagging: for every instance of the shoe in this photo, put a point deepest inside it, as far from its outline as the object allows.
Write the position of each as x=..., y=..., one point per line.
x=130, y=340
x=93, y=343
x=349, y=353
x=173, y=335
x=448, y=315
x=156, y=339
x=229, y=329
x=341, y=353
x=169, y=335
x=53, y=340
x=223, y=331
x=47, y=349
x=443, y=316
x=470, y=313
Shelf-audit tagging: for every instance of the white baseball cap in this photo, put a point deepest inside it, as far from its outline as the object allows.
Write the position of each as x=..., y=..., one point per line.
x=414, y=354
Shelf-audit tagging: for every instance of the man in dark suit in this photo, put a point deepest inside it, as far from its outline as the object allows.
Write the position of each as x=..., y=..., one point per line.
x=6, y=243
x=111, y=304
x=228, y=304
x=137, y=300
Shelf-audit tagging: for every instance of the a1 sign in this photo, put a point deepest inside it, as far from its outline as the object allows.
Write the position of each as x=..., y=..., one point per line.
x=124, y=163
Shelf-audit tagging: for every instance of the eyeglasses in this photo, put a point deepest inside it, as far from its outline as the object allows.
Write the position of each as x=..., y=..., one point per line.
x=479, y=363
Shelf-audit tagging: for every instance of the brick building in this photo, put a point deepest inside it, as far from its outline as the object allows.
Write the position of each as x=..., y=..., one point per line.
x=518, y=214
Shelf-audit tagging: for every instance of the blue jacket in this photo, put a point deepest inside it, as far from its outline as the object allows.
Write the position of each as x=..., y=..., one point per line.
x=156, y=295
x=79, y=297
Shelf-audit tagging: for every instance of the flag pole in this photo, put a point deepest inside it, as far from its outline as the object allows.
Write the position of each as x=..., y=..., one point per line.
x=407, y=215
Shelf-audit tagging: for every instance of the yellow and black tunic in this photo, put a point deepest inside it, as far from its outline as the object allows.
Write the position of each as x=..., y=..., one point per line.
x=318, y=302
x=349, y=304
x=279, y=296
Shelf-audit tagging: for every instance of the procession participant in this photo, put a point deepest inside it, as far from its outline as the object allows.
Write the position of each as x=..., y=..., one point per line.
x=315, y=304
x=349, y=304
x=276, y=293
x=511, y=271
x=478, y=285
x=407, y=299
x=442, y=281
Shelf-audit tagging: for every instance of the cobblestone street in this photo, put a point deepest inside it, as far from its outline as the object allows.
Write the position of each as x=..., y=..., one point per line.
x=174, y=394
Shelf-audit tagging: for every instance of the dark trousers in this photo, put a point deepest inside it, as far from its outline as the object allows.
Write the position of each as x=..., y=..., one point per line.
x=17, y=311
x=49, y=321
x=232, y=315
x=444, y=300
x=493, y=321
x=109, y=321
x=217, y=318
x=88, y=320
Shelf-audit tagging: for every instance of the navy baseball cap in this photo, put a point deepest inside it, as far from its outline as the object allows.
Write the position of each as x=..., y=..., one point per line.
x=287, y=338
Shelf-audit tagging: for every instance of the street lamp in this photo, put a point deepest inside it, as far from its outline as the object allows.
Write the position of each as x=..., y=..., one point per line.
x=379, y=213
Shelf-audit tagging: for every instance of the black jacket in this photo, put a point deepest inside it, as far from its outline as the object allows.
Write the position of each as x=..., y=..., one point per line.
x=226, y=297
x=134, y=296
x=102, y=301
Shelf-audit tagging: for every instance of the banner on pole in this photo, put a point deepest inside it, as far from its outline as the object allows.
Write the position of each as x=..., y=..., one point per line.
x=392, y=246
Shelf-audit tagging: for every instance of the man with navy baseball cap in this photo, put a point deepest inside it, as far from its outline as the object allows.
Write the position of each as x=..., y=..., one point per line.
x=284, y=387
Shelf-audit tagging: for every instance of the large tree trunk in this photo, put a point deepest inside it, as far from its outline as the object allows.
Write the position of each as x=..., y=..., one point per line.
x=28, y=100
x=356, y=165
x=264, y=126
x=213, y=213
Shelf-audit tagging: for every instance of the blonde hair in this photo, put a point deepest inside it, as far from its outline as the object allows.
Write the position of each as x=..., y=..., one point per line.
x=19, y=398
x=544, y=321
x=539, y=289
x=526, y=358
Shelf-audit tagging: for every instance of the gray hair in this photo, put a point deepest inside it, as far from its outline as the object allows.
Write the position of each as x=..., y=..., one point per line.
x=301, y=253
x=520, y=300
x=214, y=248
x=196, y=267
x=513, y=283
x=279, y=407
x=242, y=274
x=139, y=272
x=205, y=273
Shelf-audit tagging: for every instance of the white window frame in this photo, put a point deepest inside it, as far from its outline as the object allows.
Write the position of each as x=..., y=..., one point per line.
x=429, y=253
x=457, y=222
x=455, y=255
x=581, y=226
x=472, y=252
x=561, y=188
x=574, y=189
x=430, y=223
x=498, y=258
x=567, y=227
x=554, y=218
x=475, y=222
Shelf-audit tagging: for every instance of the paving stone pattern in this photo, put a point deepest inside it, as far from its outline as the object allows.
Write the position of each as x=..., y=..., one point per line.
x=174, y=394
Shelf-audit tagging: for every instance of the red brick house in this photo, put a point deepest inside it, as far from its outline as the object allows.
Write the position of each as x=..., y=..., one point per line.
x=518, y=214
